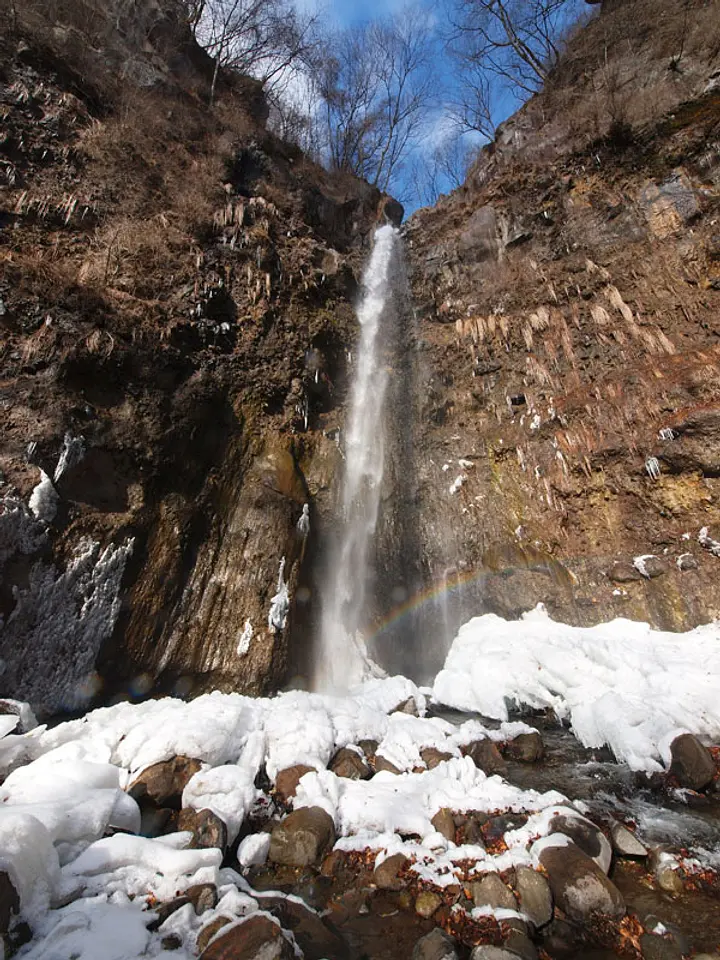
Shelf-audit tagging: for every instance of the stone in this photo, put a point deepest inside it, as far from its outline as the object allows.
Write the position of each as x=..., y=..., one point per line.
x=585, y=835
x=286, y=782
x=207, y=828
x=381, y=764
x=314, y=938
x=580, y=888
x=623, y=572
x=257, y=938
x=668, y=878
x=207, y=932
x=9, y=901
x=491, y=891
x=407, y=706
x=426, y=903
x=302, y=837
x=534, y=895
x=203, y=896
x=165, y=910
x=171, y=942
x=487, y=952
x=692, y=763
x=527, y=748
x=436, y=945
x=385, y=876
x=156, y=821
x=163, y=783
x=368, y=747
x=687, y=561
x=655, y=947
x=486, y=756
x=625, y=843
x=444, y=823
x=433, y=757
x=521, y=945
x=349, y=764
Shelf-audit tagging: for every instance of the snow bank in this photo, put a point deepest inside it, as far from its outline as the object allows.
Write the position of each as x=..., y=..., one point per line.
x=618, y=683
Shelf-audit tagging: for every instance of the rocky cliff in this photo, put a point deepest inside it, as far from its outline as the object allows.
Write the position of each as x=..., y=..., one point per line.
x=569, y=448
x=176, y=310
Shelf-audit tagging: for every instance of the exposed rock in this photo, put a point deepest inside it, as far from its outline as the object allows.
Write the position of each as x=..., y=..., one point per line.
x=491, y=891
x=667, y=875
x=486, y=756
x=534, y=896
x=207, y=828
x=521, y=945
x=313, y=936
x=203, y=896
x=487, y=952
x=165, y=910
x=256, y=938
x=207, y=932
x=686, y=561
x=349, y=764
x=444, y=823
x=436, y=945
x=369, y=747
x=527, y=747
x=579, y=886
x=385, y=876
x=9, y=902
x=163, y=783
x=589, y=838
x=382, y=764
x=692, y=763
x=623, y=572
x=426, y=903
x=286, y=782
x=407, y=706
x=171, y=942
x=655, y=947
x=625, y=843
x=433, y=757
x=302, y=837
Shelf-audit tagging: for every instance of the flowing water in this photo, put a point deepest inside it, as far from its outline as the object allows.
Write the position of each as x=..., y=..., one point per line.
x=340, y=659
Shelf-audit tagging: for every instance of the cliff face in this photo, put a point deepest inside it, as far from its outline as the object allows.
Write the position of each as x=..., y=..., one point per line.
x=176, y=295
x=569, y=296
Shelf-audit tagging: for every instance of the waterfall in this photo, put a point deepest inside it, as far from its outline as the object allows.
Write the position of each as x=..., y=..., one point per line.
x=341, y=659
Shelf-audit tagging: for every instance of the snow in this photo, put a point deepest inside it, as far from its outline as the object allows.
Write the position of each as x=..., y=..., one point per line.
x=618, y=683
x=245, y=638
x=44, y=500
x=227, y=791
x=280, y=603
x=457, y=483
x=639, y=564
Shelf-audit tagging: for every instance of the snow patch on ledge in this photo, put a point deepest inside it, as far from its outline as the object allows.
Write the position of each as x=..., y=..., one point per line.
x=618, y=683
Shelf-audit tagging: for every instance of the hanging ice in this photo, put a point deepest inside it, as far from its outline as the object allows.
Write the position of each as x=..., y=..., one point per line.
x=280, y=603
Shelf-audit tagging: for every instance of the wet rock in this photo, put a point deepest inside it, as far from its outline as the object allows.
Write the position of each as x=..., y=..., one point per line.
x=495, y=828
x=9, y=901
x=491, y=891
x=286, y=782
x=658, y=948
x=23, y=711
x=301, y=838
x=207, y=828
x=486, y=756
x=426, y=903
x=527, y=748
x=207, y=932
x=625, y=843
x=487, y=952
x=561, y=939
x=692, y=763
x=534, y=895
x=436, y=945
x=163, y=783
x=256, y=938
x=385, y=876
x=381, y=764
x=392, y=210
x=579, y=886
x=521, y=945
x=433, y=757
x=444, y=823
x=667, y=875
x=589, y=838
x=349, y=764
x=156, y=822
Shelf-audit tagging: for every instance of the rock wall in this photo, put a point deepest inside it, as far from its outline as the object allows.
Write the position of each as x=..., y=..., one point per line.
x=176, y=310
x=568, y=297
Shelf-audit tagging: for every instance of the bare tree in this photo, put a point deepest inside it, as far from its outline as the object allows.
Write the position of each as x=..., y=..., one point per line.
x=375, y=87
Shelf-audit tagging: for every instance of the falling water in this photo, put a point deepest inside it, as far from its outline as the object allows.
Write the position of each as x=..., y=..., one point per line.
x=341, y=659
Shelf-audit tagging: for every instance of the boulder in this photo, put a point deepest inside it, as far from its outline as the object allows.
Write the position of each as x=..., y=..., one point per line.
x=203, y=896
x=368, y=747
x=527, y=747
x=623, y=572
x=314, y=938
x=349, y=764
x=486, y=756
x=381, y=764
x=433, y=757
x=444, y=823
x=286, y=782
x=165, y=910
x=385, y=876
x=206, y=933
x=580, y=888
x=9, y=902
x=207, y=828
x=407, y=706
x=534, y=895
x=163, y=783
x=302, y=837
x=625, y=843
x=667, y=875
x=257, y=938
x=491, y=891
x=436, y=945
x=520, y=944
x=692, y=763
x=487, y=952
x=585, y=835
x=426, y=903
x=658, y=948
